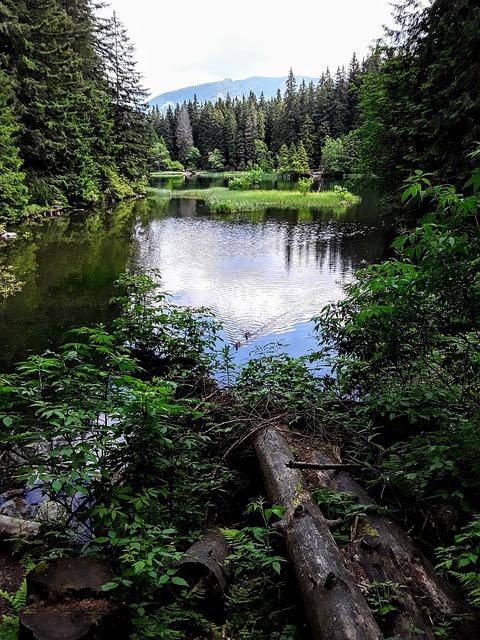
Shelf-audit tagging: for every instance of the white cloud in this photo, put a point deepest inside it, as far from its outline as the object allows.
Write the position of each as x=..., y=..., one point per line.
x=191, y=42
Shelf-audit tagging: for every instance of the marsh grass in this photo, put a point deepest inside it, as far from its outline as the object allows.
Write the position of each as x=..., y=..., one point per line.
x=223, y=200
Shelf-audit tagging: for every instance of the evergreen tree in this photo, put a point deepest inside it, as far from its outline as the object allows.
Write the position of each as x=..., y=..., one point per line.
x=307, y=136
x=291, y=115
x=183, y=133
x=284, y=160
x=131, y=138
x=302, y=160
x=13, y=190
x=229, y=136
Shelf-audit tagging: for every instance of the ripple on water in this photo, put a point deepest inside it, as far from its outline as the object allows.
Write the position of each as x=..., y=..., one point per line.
x=266, y=279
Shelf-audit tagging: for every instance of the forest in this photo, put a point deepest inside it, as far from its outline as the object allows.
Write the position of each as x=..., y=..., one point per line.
x=74, y=128
x=153, y=485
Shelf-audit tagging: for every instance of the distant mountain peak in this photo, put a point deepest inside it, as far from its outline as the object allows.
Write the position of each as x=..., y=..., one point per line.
x=211, y=91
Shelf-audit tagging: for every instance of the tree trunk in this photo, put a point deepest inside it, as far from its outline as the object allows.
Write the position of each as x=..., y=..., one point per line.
x=385, y=553
x=204, y=562
x=334, y=605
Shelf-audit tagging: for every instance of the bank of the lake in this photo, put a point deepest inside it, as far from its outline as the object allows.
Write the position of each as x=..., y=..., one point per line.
x=222, y=199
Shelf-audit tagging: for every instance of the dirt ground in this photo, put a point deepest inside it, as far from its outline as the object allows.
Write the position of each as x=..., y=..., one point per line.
x=11, y=575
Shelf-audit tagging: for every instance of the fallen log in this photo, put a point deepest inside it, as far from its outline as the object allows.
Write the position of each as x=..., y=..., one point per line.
x=333, y=603
x=386, y=554
x=292, y=464
x=204, y=562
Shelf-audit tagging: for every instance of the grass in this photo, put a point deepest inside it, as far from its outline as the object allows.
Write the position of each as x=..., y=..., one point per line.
x=223, y=200
x=166, y=174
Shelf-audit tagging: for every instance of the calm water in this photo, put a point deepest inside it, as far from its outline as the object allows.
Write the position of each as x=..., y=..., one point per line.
x=263, y=273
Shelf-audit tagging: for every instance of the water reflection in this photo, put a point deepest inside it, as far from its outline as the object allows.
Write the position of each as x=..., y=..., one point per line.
x=264, y=273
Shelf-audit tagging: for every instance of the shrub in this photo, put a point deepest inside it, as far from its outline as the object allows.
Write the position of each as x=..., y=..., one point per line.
x=304, y=185
x=251, y=180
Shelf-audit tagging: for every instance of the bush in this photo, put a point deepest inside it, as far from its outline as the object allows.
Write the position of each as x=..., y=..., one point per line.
x=339, y=155
x=251, y=180
x=304, y=185
x=215, y=160
x=406, y=342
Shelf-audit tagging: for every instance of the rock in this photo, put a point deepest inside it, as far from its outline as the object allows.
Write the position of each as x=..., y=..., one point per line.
x=16, y=527
x=84, y=620
x=16, y=507
x=8, y=235
x=81, y=577
x=51, y=511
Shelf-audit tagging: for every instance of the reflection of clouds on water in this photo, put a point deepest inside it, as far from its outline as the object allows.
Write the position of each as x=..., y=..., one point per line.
x=264, y=278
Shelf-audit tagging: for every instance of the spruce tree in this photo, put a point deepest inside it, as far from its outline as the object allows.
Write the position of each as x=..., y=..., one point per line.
x=291, y=115
x=307, y=136
x=284, y=160
x=183, y=133
x=13, y=190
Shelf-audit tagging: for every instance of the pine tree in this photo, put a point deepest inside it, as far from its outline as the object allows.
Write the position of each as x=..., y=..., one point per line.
x=183, y=133
x=229, y=135
x=307, y=136
x=291, y=115
x=130, y=132
x=13, y=190
x=284, y=160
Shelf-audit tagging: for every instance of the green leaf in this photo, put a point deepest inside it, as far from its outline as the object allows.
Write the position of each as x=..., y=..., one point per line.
x=180, y=581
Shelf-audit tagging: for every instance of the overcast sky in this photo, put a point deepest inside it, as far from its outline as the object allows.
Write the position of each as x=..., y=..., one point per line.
x=189, y=42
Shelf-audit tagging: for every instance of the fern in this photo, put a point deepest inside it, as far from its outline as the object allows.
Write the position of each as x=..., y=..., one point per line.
x=17, y=600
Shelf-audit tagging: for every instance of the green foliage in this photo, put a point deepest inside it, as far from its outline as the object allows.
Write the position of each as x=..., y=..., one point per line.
x=304, y=185
x=77, y=128
x=116, y=187
x=161, y=158
x=223, y=200
x=340, y=505
x=252, y=131
x=410, y=116
x=407, y=342
x=8, y=282
x=9, y=628
x=119, y=450
x=16, y=602
x=293, y=160
x=340, y=155
x=253, y=546
x=192, y=158
x=161, y=333
x=384, y=598
x=215, y=160
x=263, y=157
x=251, y=180
x=462, y=559
x=13, y=190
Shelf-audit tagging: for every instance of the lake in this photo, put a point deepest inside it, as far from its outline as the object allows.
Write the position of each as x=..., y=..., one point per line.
x=263, y=274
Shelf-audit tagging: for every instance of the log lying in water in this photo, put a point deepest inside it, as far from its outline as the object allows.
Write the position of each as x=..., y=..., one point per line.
x=334, y=605
x=204, y=562
x=385, y=553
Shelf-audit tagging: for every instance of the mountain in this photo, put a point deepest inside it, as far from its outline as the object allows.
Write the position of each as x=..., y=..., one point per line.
x=210, y=91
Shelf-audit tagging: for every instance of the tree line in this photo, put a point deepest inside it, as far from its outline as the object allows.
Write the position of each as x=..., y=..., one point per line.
x=73, y=125
x=412, y=103
x=240, y=132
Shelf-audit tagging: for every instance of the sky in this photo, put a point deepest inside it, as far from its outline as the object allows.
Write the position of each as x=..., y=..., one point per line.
x=190, y=42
